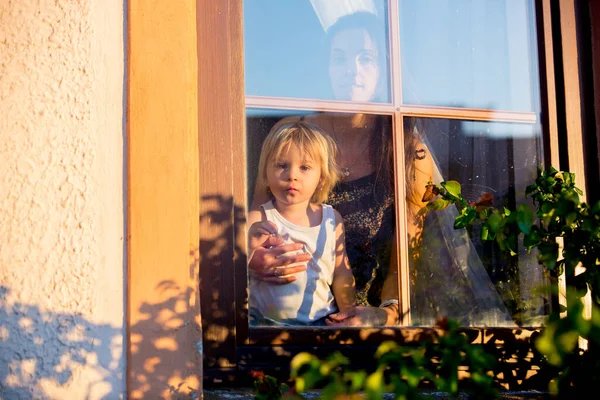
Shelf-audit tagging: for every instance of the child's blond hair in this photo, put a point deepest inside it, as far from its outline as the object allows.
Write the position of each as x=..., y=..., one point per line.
x=312, y=141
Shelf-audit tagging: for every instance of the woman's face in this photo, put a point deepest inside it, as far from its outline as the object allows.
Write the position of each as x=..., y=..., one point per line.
x=354, y=65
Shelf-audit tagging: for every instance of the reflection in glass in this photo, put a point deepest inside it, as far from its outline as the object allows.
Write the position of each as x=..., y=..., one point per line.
x=313, y=49
x=474, y=54
x=453, y=273
x=364, y=197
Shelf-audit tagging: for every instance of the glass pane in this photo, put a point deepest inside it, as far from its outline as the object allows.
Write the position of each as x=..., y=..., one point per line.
x=453, y=272
x=474, y=54
x=363, y=195
x=317, y=49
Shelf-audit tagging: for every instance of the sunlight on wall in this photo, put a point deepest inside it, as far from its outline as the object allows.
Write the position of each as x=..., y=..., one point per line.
x=61, y=212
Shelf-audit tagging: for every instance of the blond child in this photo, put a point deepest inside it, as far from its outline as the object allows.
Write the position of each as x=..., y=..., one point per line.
x=297, y=169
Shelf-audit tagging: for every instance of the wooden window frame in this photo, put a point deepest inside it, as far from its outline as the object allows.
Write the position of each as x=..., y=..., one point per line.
x=185, y=104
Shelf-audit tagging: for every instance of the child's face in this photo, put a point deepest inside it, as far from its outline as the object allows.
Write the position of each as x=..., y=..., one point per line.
x=293, y=177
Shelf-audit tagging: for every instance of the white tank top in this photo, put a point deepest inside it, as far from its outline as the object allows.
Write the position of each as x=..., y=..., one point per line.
x=309, y=297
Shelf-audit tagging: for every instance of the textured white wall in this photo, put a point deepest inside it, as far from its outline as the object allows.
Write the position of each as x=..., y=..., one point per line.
x=62, y=199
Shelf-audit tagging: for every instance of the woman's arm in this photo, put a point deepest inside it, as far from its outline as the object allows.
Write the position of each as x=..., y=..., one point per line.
x=389, y=291
x=343, y=287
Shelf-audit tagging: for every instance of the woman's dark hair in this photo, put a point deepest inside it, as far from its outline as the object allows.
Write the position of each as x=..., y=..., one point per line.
x=381, y=148
x=376, y=27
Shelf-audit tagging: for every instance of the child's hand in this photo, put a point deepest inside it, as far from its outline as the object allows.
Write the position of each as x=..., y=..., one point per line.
x=358, y=316
x=259, y=232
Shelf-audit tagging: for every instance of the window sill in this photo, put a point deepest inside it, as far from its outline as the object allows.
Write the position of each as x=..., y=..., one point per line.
x=247, y=393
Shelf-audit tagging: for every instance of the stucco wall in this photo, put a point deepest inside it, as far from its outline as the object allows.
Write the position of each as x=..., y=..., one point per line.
x=62, y=199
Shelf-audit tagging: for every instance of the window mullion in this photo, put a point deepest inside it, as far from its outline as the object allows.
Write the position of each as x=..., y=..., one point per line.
x=401, y=224
x=394, y=42
x=399, y=168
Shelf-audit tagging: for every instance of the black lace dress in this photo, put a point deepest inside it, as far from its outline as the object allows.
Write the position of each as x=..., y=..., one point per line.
x=368, y=212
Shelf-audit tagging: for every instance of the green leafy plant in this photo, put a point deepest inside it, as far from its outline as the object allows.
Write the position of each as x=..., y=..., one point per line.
x=566, y=233
x=403, y=370
x=560, y=214
x=267, y=387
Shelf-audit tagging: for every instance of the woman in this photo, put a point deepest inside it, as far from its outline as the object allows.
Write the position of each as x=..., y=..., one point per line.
x=357, y=71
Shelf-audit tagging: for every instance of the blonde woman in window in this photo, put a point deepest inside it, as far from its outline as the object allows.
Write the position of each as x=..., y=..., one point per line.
x=297, y=170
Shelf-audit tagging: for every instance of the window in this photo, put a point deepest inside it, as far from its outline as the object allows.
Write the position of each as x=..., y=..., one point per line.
x=475, y=95
x=465, y=75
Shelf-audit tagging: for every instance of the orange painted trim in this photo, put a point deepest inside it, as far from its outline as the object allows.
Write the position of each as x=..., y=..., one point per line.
x=548, y=73
x=573, y=114
x=163, y=313
x=595, y=20
x=570, y=61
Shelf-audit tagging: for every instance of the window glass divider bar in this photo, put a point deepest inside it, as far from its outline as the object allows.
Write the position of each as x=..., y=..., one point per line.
x=401, y=210
x=287, y=103
x=395, y=55
x=401, y=235
x=473, y=114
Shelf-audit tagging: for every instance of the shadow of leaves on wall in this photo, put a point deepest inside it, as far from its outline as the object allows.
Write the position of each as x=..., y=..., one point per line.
x=163, y=328
x=41, y=349
x=223, y=306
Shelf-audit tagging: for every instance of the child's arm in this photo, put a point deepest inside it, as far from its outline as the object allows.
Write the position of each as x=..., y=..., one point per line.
x=343, y=280
x=260, y=229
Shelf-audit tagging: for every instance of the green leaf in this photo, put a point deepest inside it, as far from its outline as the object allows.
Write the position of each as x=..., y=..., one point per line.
x=531, y=189
x=386, y=347
x=547, y=346
x=467, y=216
x=453, y=188
x=571, y=218
x=531, y=239
x=548, y=254
x=524, y=218
x=548, y=212
x=301, y=359
x=494, y=222
x=512, y=243
x=485, y=232
x=439, y=204
x=375, y=385
x=357, y=380
x=569, y=178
